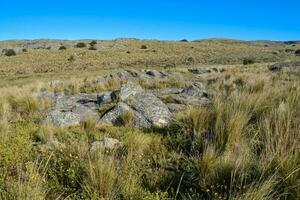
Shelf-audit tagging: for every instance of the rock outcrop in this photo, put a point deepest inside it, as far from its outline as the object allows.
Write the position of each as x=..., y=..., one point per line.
x=281, y=65
x=147, y=110
x=70, y=110
x=130, y=104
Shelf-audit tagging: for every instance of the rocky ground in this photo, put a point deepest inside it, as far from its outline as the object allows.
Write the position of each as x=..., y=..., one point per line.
x=126, y=122
x=145, y=105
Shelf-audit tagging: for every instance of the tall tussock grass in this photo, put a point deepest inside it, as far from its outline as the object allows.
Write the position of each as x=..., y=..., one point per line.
x=249, y=136
x=245, y=145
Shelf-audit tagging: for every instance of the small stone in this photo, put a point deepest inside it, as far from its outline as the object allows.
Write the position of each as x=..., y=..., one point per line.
x=107, y=97
x=106, y=143
x=199, y=70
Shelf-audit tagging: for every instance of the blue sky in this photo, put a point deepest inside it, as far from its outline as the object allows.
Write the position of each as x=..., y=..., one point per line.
x=152, y=19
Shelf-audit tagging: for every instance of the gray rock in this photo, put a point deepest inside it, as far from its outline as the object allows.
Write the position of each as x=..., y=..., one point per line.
x=199, y=70
x=173, y=107
x=194, y=94
x=149, y=106
x=275, y=67
x=133, y=73
x=107, y=97
x=56, y=83
x=280, y=66
x=155, y=74
x=114, y=116
x=129, y=90
x=195, y=90
x=62, y=118
x=123, y=75
x=106, y=143
x=70, y=110
x=148, y=111
x=11, y=51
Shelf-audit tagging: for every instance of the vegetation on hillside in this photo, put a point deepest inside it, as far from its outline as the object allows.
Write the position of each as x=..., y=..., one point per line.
x=42, y=62
x=244, y=146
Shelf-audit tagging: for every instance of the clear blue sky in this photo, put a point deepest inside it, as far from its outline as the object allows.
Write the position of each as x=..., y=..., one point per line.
x=151, y=19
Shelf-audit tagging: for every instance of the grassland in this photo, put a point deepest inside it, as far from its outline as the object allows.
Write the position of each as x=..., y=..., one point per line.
x=244, y=146
x=42, y=63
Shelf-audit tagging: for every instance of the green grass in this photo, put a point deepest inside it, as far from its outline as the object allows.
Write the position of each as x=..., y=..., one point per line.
x=244, y=146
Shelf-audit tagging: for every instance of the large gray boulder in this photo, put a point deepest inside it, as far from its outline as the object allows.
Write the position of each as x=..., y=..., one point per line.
x=194, y=94
x=129, y=90
x=70, y=110
x=195, y=90
x=114, y=116
x=147, y=109
x=62, y=118
x=152, y=108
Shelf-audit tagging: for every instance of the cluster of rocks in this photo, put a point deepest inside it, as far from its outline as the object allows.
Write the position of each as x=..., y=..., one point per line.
x=12, y=51
x=145, y=108
x=70, y=110
x=147, y=75
x=281, y=65
x=203, y=70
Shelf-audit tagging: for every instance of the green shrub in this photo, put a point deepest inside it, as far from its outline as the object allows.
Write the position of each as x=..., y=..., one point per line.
x=93, y=43
x=80, y=45
x=92, y=48
x=297, y=52
x=126, y=118
x=248, y=61
x=71, y=58
x=143, y=47
x=62, y=48
x=10, y=52
x=65, y=172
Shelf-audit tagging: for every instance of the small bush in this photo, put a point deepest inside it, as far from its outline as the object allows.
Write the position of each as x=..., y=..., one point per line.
x=10, y=52
x=143, y=47
x=80, y=45
x=71, y=58
x=62, y=48
x=126, y=118
x=128, y=52
x=248, y=61
x=184, y=40
x=94, y=42
x=297, y=52
x=93, y=48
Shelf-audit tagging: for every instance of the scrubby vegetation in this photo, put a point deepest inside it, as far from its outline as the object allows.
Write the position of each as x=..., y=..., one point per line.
x=244, y=146
x=80, y=45
x=10, y=52
x=62, y=47
x=113, y=55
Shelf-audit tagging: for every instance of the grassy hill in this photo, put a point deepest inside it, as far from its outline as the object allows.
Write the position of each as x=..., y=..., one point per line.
x=38, y=61
x=242, y=145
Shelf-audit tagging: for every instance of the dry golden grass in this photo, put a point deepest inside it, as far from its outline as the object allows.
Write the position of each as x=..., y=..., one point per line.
x=46, y=64
x=244, y=146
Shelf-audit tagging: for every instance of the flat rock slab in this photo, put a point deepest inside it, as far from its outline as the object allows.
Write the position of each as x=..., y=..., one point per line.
x=147, y=109
x=70, y=110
